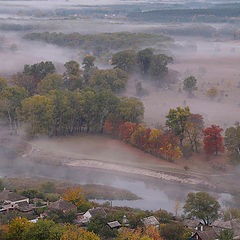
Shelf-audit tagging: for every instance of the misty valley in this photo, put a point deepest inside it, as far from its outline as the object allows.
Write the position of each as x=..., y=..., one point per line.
x=119, y=120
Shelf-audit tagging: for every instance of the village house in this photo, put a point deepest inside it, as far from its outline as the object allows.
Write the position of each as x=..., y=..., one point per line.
x=114, y=225
x=62, y=205
x=205, y=235
x=193, y=224
x=11, y=200
x=150, y=221
x=93, y=213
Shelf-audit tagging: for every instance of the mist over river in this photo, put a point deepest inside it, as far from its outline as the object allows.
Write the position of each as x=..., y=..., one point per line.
x=154, y=193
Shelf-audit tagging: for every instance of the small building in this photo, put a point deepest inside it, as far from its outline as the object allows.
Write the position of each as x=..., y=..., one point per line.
x=193, y=224
x=62, y=205
x=114, y=225
x=205, y=235
x=150, y=221
x=95, y=212
x=12, y=198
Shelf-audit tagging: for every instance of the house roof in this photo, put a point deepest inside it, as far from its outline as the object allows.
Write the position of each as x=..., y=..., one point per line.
x=236, y=227
x=222, y=224
x=7, y=195
x=192, y=223
x=24, y=207
x=208, y=235
x=114, y=224
x=62, y=205
x=150, y=221
x=97, y=211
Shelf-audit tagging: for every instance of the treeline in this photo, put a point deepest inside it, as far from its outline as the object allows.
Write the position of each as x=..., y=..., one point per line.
x=100, y=43
x=77, y=101
x=187, y=15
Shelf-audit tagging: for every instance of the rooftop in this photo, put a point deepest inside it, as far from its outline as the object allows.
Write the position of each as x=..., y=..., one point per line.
x=150, y=221
x=114, y=224
x=7, y=195
x=62, y=205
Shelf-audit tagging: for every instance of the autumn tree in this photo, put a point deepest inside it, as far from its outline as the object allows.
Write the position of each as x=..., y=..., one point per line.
x=50, y=82
x=176, y=121
x=89, y=68
x=3, y=83
x=232, y=142
x=125, y=60
x=202, y=206
x=190, y=85
x=75, y=196
x=17, y=228
x=193, y=131
x=213, y=140
x=72, y=77
x=75, y=233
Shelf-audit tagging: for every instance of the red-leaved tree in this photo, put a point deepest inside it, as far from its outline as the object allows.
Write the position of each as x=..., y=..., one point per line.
x=213, y=140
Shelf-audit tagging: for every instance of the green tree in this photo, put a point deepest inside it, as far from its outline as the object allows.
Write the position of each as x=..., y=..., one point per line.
x=37, y=111
x=226, y=234
x=176, y=121
x=110, y=79
x=50, y=82
x=44, y=230
x=232, y=142
x=131, y=109
x=173, y=232
x=144, y=58
x=26, y=81
x=72, y=77
x=10, y=104
x=231, y=213
x=158, y=67
x=48, y=187
x=190, y=85
x=202, y=206
x=125, y=60
x=39, y=70
x=89, y=68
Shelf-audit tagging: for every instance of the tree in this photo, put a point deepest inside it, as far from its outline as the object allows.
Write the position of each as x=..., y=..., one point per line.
x=75, y=196
x=231, y=213
x=158, y=67
x=232, y=142
x=213, y=140
x=26, y=81
x=193, y=131
x=39, y=70
x=173, y=232
x=1, y=185
x=17, y=228
x=202, y=206
x=110, y=79
x=176, y=121
x=3, y=83
x=89, y=67
x=72, y=78
x=226, y=234
x=38, y=112
x=125, y=60
x=44, y=229
x=144, y=58
x=50, y=82
x=212, y=92
x=131, y=110
x=75, y=233
x=190, y=85
x=10, y=102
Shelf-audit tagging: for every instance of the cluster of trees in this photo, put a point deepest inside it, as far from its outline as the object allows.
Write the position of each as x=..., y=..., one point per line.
x=79, y=100
x=101, y=43
x=151, y=66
